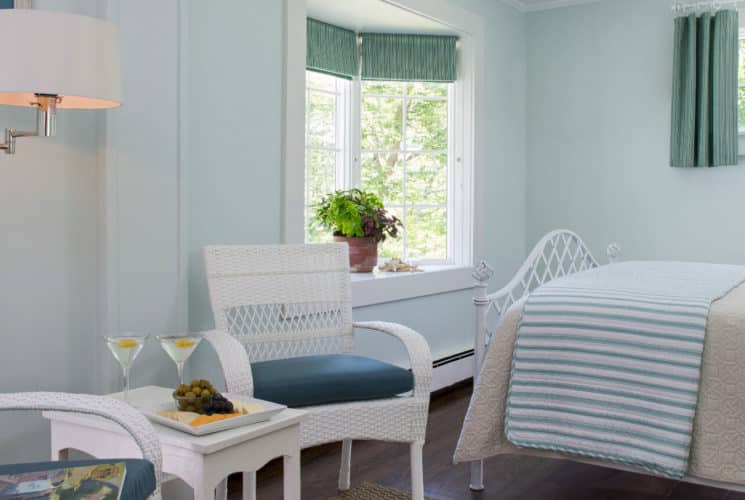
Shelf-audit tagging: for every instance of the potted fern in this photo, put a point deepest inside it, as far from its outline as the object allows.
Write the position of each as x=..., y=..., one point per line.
x=359, y=219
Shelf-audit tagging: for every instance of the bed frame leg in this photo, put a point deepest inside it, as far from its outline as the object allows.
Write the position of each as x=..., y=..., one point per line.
x=482, y=273
x=477, y=476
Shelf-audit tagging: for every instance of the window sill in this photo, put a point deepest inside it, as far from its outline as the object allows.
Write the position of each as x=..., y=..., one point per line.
x=378, y=288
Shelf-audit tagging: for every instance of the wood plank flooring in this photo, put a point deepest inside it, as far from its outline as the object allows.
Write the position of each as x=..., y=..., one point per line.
x=507, y=477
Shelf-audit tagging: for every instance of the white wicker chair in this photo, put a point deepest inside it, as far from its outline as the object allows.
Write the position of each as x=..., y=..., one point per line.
x=285, y=301
x=117, y=411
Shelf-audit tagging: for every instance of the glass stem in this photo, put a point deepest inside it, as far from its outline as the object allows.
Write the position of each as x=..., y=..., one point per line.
x=180, y=368
x=125, y=372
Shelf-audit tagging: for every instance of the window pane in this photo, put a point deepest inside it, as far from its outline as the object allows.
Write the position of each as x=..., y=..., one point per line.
x=320, y=81
x=321, y=175
x=426, y=180
x=412, y=183
x=427, y=126
x=321, y=120
x=427, y=89
x=383, y=174
x=382, y=121
x=426, y=233
x=320, y=179
x=383, y=88
x=392, y=248
x=314, y=232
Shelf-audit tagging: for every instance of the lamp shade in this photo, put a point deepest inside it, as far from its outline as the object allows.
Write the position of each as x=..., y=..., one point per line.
x=70, y=56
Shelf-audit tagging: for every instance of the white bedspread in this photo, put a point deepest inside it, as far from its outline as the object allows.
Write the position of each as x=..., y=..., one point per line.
x=718, y=447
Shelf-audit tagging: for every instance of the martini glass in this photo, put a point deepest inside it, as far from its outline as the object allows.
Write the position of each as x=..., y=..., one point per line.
x=125, y=349
x=179, y=348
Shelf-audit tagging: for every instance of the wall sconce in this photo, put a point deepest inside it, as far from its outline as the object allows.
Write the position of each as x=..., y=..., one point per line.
x=56, y=61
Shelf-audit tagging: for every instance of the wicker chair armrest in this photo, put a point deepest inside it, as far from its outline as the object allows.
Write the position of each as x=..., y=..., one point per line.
x=420, y=356
x=236, y=367
x=111, y=409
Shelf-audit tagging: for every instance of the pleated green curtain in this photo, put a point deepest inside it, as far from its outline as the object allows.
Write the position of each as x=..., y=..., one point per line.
x=331, y=49
x=704, y=108
x=400, y=57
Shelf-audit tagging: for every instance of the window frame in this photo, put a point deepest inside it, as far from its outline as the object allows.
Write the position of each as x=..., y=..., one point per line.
x=349, y=165
x=342, y=140
x=740, y=85
x=471, y=31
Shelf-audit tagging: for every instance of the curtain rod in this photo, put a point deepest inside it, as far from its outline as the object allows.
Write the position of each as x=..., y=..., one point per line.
x=680, y=7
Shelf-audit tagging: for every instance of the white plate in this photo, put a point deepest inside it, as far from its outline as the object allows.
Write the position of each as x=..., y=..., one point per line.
x=270, y=409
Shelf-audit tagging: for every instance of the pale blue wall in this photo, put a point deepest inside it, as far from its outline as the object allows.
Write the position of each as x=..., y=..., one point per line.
x=599, y=90
x=48, y=263
x=503, y=101
x=234, y=114
x=142, y=189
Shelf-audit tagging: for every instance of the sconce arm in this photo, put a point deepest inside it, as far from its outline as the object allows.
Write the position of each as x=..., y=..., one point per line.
x=46, y=122
x=11, y=135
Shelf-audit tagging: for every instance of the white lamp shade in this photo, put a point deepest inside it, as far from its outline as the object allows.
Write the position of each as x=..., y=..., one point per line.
x=74, y=57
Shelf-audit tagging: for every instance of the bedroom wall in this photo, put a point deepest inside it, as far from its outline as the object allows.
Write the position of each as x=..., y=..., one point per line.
x=89, y=223
x=599, y=92
x=48, y=255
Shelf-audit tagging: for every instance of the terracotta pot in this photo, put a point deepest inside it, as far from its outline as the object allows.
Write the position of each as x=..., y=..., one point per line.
x=363, y=253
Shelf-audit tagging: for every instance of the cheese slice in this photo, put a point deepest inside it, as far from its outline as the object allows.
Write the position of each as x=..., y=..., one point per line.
x=245, y=408
x=184, y=417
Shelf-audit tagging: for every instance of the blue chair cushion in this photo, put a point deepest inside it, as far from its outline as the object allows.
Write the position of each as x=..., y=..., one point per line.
x=325, y=379
x=139, y=480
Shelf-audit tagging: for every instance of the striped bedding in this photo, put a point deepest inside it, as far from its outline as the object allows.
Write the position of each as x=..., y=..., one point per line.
x=607, y=362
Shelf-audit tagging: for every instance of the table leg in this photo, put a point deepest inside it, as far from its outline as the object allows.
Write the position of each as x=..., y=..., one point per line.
x=221, y=492
x=292, y=477
x=202, y=491
x=203, y=483
x=249, y=486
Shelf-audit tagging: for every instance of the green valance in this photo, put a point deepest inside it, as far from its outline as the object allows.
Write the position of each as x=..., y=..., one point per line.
x=331, y=49
x=704, y=104
x=423, y=58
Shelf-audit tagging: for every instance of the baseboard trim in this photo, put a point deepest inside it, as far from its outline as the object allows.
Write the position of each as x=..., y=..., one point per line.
x=452, y=370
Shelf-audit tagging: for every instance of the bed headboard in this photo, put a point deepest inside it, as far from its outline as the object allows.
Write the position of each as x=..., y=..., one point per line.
x=557, y=254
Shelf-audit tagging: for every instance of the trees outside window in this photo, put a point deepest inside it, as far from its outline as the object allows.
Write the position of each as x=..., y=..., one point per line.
x=393, y=139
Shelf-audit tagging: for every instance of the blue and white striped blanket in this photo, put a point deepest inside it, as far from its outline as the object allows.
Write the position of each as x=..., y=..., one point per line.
x=607, y=362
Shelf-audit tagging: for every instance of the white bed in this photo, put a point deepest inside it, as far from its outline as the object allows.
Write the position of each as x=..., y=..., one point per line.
x=718, y=447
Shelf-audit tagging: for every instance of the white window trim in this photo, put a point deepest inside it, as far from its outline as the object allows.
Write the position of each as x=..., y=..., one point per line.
x=741, y=130
x=342, y=140
x=470, y=29
x=348, y=166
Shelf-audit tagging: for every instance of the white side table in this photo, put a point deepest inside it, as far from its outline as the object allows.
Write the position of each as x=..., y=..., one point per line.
x=203, y=462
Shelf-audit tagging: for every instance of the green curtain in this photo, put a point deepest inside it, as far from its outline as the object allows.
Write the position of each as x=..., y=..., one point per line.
x=331, y=49
x=423, y=58
x=704, y=111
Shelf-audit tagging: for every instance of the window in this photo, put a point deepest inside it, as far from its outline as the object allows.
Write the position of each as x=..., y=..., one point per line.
x=394, y=139
x=741, y=90
x=326, y=144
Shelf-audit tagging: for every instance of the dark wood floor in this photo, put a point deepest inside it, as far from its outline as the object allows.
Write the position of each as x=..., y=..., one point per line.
x=507, y=477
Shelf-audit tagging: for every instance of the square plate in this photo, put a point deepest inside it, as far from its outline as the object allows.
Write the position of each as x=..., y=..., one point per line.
x=270, y=409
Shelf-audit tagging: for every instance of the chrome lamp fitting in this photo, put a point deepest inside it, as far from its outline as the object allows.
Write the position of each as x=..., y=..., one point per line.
x=46, y=122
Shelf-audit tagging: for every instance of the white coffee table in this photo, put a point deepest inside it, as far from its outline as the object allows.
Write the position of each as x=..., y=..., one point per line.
x=203, y=462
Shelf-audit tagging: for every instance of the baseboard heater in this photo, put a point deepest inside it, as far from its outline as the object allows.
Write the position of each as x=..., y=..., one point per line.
x=452, y=369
